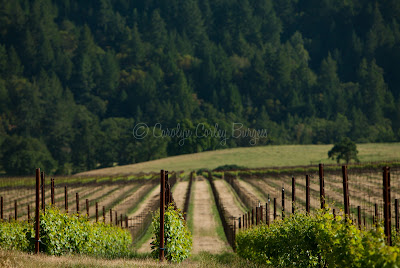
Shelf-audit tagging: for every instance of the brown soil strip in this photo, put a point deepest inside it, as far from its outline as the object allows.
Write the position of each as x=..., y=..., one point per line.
x=179, y=193
x=229, y=201
x=205, y=237
x=130, y=200
x=122, y=189
x=252, y=190
x=152, y=196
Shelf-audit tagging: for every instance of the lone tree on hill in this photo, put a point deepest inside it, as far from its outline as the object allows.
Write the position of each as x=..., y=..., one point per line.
x=346, y=149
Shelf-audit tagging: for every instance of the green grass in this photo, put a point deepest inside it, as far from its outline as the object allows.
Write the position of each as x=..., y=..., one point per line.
x=147, y=235
x=189, y=217
x=255, y=157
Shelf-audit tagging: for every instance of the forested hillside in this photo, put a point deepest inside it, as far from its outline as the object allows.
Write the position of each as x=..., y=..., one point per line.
x=77, y=76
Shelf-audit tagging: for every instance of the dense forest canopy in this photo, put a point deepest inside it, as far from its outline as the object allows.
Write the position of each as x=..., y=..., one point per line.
x=76, y=77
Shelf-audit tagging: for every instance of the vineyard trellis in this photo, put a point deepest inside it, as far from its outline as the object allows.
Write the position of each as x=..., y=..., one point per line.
x=226, y=218
x=355, y=194
x=355, y=212
x=14, y=195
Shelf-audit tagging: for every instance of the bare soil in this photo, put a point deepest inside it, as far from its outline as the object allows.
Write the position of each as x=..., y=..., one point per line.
x=228, y=200
x=153, y=195
x=179, y=193
x=252, y=190
x=131, y=200
x=205, y=237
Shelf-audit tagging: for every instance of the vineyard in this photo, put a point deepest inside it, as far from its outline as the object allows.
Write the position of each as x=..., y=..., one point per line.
x=219, y=206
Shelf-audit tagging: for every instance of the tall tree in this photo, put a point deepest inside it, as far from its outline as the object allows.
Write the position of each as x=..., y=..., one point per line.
x=157, y=31
x=373, y=86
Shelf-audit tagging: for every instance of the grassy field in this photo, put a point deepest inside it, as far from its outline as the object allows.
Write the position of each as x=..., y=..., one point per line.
x=254, y=157
x=19, y=259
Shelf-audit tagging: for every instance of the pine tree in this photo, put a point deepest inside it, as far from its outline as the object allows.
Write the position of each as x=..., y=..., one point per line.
x=157, y=33
x=4, y=98
x=46, y=54
x=86, y=75
x=63, y=66
x=137, y=46
x=3, y=60
x=110, y=78
x=373, y=88
x=271, y=26
x=331, y=88
x=15, y=66
x=192, y=22
x=30, y=51
x=378, y=34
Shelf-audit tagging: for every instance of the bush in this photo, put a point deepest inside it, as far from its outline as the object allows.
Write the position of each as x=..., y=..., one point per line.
x=228, y=167
x=61, y=233
x=13, y=235
x=178, y=239
x=312, y=241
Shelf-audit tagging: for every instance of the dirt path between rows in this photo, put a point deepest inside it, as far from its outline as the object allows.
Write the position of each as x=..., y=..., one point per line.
x=179, y=193
x=129, y=201
x=205, y=237
x=228, y=199
x=153, y=195
x=252, y=190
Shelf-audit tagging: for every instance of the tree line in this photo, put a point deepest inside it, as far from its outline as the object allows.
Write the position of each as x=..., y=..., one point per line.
x=77, y=76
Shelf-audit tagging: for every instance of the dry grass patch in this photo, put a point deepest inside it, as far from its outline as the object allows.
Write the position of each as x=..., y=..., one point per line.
x=19, y=259
x=254, y=157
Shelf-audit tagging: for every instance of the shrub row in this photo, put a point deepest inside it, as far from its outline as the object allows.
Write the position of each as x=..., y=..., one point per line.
x=13, y=235
x=61, y=233
x=178, y=239
x=316, y=241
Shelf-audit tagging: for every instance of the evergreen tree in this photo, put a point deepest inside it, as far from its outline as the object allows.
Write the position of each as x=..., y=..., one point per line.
x=110, y=76
x=137, y=46
x=308, y=71
x=3, y=60
x=330, y=85
x=373, y=88
x=14, y=63
x=191, y=20
x=157, y=32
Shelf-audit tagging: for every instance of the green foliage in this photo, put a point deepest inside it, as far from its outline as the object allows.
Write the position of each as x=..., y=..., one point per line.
x=68, y=67
x=13, y=235
x=178, y=239
x=23, y=155
x=228, y=167
x=314, y=241
x=345, y=150
x=61, y=233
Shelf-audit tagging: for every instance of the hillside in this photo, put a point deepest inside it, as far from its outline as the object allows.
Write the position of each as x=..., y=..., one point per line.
x=257, y=157
x=76, y=77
